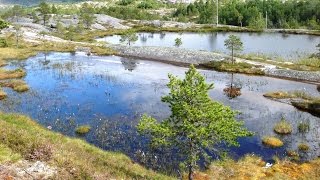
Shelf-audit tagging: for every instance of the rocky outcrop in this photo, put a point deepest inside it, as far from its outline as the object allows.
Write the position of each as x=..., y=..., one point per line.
x=168, y=54
x=179, y=56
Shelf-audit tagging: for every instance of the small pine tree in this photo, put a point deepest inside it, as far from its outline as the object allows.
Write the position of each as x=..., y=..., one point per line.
x=44, y=9
x=233, y=43
x=196, y=124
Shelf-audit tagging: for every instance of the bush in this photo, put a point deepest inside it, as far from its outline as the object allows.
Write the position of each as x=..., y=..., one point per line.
x=283, y=127
x=272, y=141
x=3, y=43
x=125, y=2
x=3, y=24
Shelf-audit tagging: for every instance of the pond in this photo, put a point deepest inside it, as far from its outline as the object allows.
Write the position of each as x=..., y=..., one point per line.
x=111, y=93
x=274, y=45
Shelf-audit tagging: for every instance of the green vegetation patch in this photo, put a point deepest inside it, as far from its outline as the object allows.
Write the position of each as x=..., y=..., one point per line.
x=303, y=127
x=74, y=158
x=83, y=129
x=272, y=141
x=240, y=67
x=303, y=147
x=283, y=127
x=6, y=154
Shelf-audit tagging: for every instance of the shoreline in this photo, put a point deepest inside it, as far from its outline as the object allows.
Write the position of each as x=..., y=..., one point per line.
x=185, y=57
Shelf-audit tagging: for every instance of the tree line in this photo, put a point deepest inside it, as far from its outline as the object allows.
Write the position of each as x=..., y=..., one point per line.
x=253, y=13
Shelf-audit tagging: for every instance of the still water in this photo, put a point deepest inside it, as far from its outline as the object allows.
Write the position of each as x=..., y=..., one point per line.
x=111, y=93
x=287, y=46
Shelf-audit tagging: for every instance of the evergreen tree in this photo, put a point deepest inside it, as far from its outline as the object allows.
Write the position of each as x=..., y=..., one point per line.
x=196, y=124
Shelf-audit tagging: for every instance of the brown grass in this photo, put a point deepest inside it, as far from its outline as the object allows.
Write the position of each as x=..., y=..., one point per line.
x=252, y=167
x=16, y=84
x=272, y=141
x=11, y=74
x=3, y=94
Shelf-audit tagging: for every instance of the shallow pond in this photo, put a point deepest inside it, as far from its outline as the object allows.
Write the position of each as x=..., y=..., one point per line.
x=111, y=93
x=288, y=46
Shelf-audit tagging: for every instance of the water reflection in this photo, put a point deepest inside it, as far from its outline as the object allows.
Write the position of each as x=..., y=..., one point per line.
x=233, y=89
x=129, y=64
x=71, y=90
x=290, y=47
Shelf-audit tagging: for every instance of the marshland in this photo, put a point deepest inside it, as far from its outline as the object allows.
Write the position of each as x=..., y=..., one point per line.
x=100, y=90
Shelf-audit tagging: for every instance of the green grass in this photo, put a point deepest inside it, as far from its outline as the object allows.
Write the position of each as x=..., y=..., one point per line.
x=74, y=158
x=283, y=127
x=240, y=67
x=6, y=154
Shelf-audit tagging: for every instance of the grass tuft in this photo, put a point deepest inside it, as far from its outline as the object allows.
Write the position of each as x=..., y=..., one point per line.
x=272, y=141
x=83, y=129
x=16, y=84
x=303, y=147
x=11, y=74
x=283, y=127
x=303, y=127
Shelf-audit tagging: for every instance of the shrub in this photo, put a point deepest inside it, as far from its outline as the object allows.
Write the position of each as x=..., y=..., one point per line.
x=272, y=141
x=3, y=43
x=3, y=24
x=283, y=127
x=83, y=129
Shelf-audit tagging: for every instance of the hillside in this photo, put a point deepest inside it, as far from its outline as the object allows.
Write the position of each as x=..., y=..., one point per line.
x=34, y=2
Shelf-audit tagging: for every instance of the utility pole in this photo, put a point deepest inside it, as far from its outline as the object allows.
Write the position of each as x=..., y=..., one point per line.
x=217, y=12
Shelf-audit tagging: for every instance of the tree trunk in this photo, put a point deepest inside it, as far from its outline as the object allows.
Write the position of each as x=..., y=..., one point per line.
x=44, y=20
x=232, y=55
x=190, y=172
x=190, y=176
x=17, y=39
